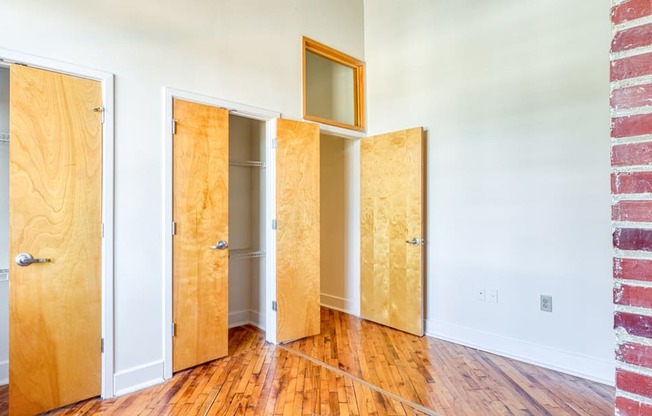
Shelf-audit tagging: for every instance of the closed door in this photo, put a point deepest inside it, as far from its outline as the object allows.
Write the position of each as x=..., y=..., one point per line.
x=55, y=215
x=392, y=228
x=298, y=231
x=201, y=217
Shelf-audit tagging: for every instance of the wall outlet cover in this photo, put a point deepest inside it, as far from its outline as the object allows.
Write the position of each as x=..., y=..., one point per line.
x=546, y=303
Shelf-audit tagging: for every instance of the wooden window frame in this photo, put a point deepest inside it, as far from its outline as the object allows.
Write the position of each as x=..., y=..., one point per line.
x=310, y=45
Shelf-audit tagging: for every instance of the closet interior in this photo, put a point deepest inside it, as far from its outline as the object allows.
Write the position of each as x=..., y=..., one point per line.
x=4, y=225
x=247, y=170
x=337, y=202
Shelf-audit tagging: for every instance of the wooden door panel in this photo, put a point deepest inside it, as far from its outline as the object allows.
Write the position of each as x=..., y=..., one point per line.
x=392, y=201
x=200, y=210
x=298, y=231
x=55, y=212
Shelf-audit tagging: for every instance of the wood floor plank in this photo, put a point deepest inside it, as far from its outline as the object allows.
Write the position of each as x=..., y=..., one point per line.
x=355, y=368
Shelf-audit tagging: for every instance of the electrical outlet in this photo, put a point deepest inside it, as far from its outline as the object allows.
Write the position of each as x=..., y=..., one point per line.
x=480, y=293
x=546, y=303
x=492, y=295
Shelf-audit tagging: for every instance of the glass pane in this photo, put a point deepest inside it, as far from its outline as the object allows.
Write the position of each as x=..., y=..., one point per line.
x=330, y=92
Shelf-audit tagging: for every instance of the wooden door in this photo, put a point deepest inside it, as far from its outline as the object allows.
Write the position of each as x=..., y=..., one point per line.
x=392, y=208
x=55, y=195
x=298, y=231
x=200, y=212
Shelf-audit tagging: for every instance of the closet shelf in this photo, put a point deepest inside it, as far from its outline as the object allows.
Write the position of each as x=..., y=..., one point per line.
x=247, y=163
x=4, y=137
x=245, y=253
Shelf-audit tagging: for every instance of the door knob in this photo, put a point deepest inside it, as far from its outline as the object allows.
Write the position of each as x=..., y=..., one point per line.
x=415, y=241
x=221, y=245
x=25, y=259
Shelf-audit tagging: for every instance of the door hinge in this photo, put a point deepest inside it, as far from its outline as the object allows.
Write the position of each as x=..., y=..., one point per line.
x=102, y=110
x=174, y=329
x=102, y=345
x=102, y=230
x=274, y=306
x=174, y=228
x=174, y=127
x=274, y=143
x=274, y=225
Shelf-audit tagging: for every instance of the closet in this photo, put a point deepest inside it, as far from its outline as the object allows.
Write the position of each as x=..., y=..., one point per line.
x=247, y=169
x=4, y=225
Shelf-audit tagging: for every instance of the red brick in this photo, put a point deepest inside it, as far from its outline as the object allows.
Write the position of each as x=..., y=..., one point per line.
x=637, y=325
x=631, y=154
x=631, y=182
x=632, y=97
x=636, y=125
x=632, y=211
x=632, y=67
x=633, y=239
x=629, y=407
x=635, y=37
x=631, y=10
x=634, y=383
x=635, y=354
x=633, y=296
x=632, y=269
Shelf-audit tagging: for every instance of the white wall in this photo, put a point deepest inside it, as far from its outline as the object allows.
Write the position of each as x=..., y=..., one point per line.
x=4, y=226
x=248, y=52
x=515, y=97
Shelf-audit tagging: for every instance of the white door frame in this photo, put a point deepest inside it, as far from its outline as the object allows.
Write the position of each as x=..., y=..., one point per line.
x=8, y=57
x=269, y=117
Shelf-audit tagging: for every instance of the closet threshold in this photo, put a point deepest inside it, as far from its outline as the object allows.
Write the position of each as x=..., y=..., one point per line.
x=247, y=163
x=245, y=253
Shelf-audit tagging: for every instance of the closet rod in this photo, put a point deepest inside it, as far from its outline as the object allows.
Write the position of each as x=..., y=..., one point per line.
x=245, y=254
x=4, y=137
x=247, y=163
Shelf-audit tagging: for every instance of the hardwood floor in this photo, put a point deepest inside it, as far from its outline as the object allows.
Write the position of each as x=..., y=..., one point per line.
x=356, y=367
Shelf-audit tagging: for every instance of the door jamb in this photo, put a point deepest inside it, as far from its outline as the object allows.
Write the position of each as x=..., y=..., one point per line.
x=269, y=117
x=106, y=79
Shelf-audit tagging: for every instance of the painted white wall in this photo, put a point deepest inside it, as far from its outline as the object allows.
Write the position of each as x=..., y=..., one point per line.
x=515, y=97
x=4, y=226
x=247, y=52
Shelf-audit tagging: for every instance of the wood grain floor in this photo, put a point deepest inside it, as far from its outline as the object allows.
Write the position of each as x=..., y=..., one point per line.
x=356, y=367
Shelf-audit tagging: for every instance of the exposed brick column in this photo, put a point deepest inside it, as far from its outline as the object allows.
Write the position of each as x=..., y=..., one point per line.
x=631, y=186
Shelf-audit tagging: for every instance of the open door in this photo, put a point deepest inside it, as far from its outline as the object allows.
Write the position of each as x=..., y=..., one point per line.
x=201, y=218
x=56, y=237
x=392, y=216
x=298, y=231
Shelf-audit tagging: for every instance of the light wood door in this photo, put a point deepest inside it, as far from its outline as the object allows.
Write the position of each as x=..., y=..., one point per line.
x=55, y=196
x=392, y=206
x=200, y=212
x=298, y=231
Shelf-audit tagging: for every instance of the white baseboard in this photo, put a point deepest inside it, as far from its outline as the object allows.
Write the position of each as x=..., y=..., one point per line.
x=138, y=378
x=591, y=368
x=239, y=318
x=257, y=319
x=246, y=317
x=4, y=373
x=337, y=303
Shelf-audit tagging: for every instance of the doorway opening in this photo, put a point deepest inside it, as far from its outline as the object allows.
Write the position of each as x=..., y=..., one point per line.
x=247, y=232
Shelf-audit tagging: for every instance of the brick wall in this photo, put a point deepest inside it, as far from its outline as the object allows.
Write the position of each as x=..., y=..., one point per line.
x=631, y=186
